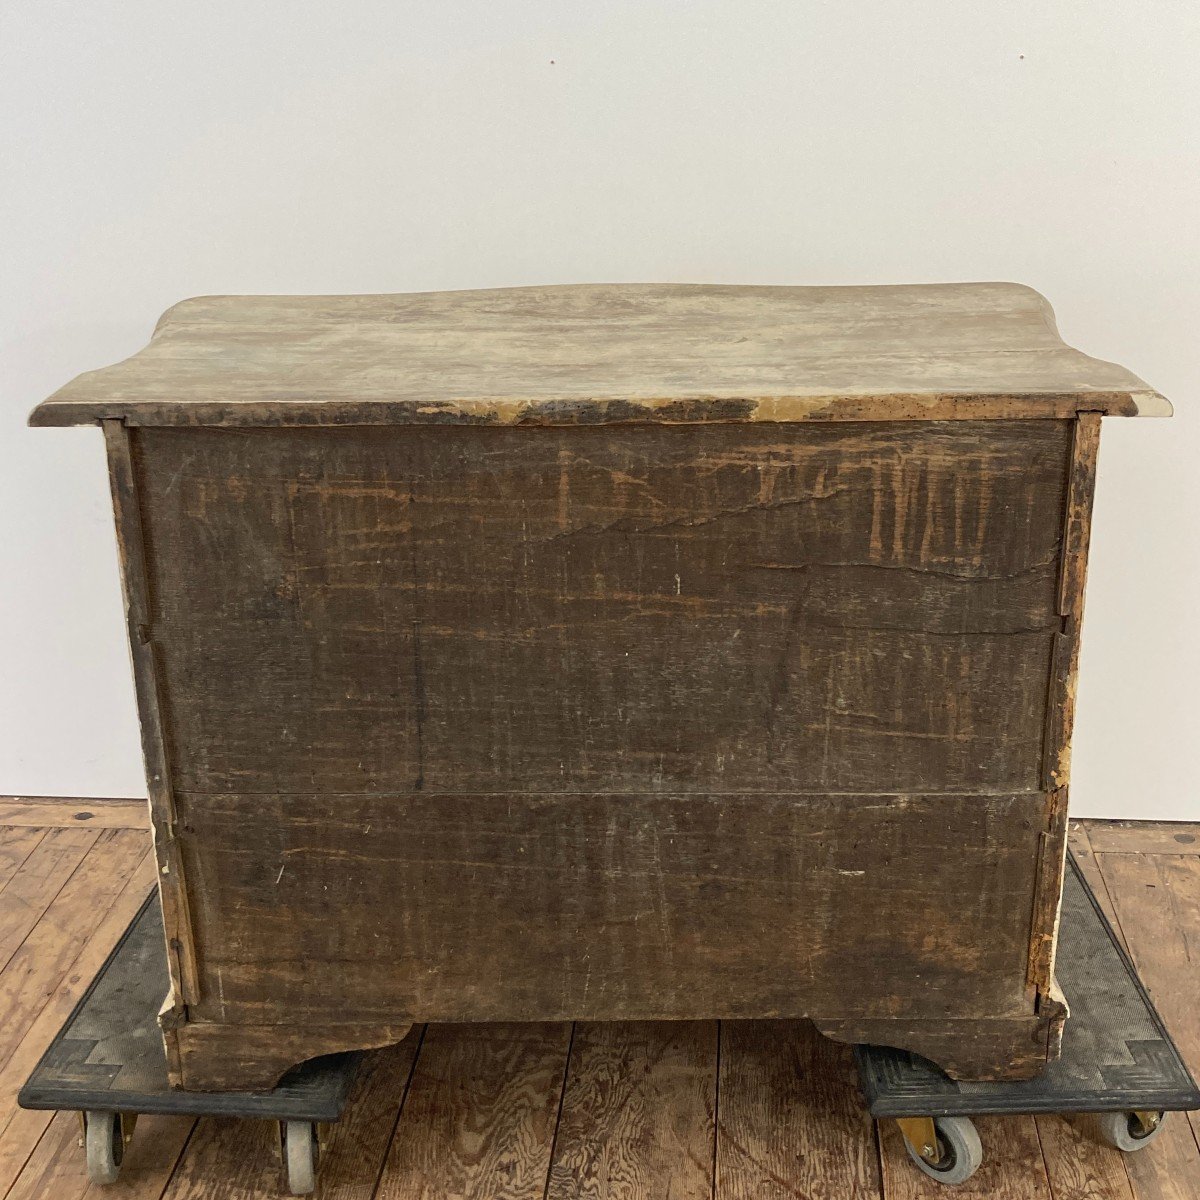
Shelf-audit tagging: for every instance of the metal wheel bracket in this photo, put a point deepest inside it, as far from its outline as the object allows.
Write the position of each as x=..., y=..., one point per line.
x=1148, y=1120
x=921, y=1134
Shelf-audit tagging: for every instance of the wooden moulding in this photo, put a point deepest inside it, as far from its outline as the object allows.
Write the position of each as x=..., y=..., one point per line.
x=134, y=581
x=221, y=1058
x=1047, y=897
x=967, y=1049
x=608, y=410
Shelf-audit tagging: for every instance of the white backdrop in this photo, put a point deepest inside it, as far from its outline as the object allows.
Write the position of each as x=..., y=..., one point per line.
x=152, y=151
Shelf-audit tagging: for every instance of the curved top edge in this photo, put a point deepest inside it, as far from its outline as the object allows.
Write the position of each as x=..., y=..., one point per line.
x=605, y=352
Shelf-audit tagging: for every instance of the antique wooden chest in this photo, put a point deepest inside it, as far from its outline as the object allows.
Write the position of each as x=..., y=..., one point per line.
x=606, y=652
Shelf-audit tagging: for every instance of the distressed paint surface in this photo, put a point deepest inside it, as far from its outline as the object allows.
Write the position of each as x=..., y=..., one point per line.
x=612, y=353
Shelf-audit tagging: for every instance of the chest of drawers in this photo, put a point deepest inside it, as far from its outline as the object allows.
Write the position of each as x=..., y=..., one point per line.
x=606, y=652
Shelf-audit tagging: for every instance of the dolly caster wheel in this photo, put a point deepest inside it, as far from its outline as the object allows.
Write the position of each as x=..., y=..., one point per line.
x=947, y=1149
x=1130, y=1131
x=300, y=1153
x=104, y=1142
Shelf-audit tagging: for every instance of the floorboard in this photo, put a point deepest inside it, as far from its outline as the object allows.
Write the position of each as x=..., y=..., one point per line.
x=358, y=1145
x=638, y=1113
x=16, y=845
x=790, y=1120
x=1170, y=1168
x=480, y=1116
x=1157, y=900
x=33, y=888
x=73, y=812
x=35, y=968
x=1078, y=1165
x=1144, y=837
x=1079, y=841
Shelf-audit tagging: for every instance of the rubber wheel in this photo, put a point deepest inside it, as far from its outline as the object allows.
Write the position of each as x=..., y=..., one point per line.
x=1124, y=1130
x=105, y=1146
x=959, y=1148
x=300, y=1153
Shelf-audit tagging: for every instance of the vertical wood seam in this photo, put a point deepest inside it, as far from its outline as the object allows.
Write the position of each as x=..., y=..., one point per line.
x=1077, y=520
x=1047, y=896
x=1060, y=700
x=558, y=1116
x=715, y=1177
x=135, y=587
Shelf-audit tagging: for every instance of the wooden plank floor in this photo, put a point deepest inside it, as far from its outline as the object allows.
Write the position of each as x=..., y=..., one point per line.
x=736, y=1110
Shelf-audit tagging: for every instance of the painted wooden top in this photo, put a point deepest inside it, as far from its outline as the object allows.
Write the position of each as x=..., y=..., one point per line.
x=588, y=354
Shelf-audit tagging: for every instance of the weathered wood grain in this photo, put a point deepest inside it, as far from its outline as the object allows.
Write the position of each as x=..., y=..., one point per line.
x=820, y=608
x=975, y=1048
x=44, y=872
x=1078, y=1165
x=1047, y=902
x=609, y=675
x=135, y=584
x=790, y=1119
x=47, y=812
x=604, y=907
x=227, y=1056
x=480, y=1115
x=638, y=1113
x=1060, y=712
x=16, y=845
x=618, y=353
x=1144, y=837
x=702, y=612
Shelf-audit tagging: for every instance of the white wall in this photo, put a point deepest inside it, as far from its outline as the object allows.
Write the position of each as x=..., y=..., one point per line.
x=153, y=151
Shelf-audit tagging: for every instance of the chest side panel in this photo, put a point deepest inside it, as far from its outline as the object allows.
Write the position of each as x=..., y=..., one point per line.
x=861, y=607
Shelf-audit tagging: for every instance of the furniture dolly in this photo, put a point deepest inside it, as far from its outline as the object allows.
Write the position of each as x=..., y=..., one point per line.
x=1118, y=1062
